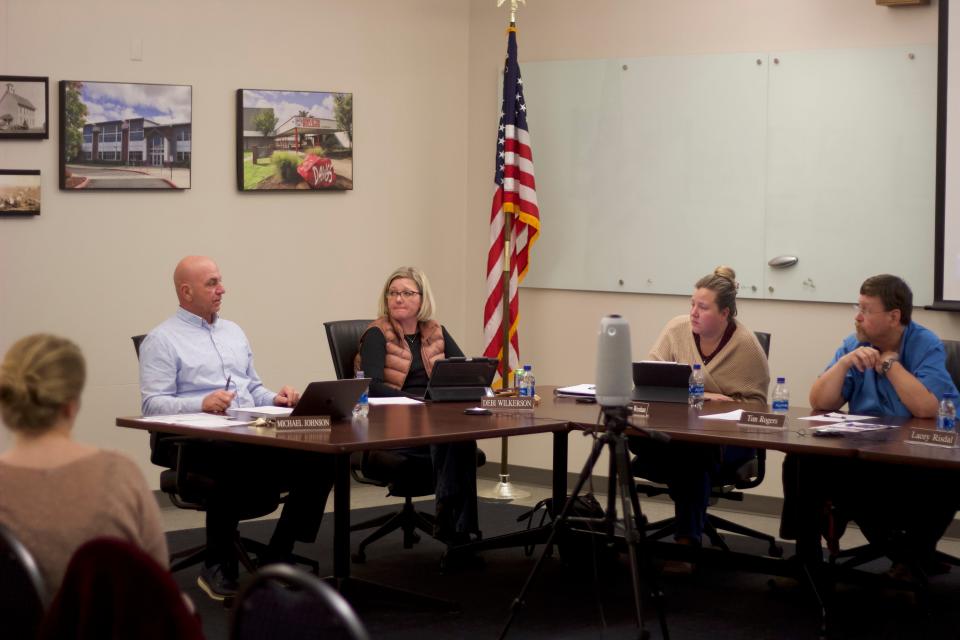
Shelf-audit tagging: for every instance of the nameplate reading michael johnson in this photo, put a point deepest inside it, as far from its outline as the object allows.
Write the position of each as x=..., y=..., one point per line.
x=303, y=423
x=756, y=419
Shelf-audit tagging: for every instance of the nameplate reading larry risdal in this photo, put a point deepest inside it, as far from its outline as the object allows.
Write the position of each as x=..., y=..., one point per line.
x=507, y=403
x=303, y=423
x=931, y=437
x=757, y=419
x=640, y=409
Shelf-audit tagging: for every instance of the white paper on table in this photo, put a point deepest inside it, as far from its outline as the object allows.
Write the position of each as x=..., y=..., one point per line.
x=252, y=413
x=198, y=420
x=733, y=416
x=394, y=400
x=849, y=427
x=833, y=416
x=578, y=390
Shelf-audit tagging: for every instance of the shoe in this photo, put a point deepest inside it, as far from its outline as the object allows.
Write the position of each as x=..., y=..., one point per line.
x=215, y=584
x=677, y=568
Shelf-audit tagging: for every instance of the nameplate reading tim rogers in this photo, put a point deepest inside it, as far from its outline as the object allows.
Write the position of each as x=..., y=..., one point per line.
x=935, y=438
x=507, y=403
x=302, y=423
x=768, y=420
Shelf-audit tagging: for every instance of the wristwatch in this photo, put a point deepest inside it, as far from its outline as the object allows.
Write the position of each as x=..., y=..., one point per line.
x=885, y=366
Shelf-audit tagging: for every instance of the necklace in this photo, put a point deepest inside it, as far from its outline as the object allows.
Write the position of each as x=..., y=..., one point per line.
x=411, y=339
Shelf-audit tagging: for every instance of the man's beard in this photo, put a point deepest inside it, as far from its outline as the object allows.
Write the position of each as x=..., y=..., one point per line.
x=861, y=336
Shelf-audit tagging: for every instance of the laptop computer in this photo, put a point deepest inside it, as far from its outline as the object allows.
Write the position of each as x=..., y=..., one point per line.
x=655, y=381
x=334, y=398
x=461, y=379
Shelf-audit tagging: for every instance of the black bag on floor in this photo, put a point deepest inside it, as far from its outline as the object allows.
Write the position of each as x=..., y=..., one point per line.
x=579, y=548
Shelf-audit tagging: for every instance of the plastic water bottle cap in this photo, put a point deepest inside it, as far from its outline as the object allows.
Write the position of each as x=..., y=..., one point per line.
x=696, y=367
x=527, y=367
x=781, y=380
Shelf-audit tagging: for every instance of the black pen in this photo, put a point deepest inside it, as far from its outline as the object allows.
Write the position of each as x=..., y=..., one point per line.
x=226, y=387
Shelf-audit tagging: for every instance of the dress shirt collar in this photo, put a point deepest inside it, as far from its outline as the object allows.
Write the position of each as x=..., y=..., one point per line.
x=194, y=319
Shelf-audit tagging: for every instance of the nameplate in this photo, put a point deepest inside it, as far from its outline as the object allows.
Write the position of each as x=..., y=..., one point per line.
x=508, y=403
x=640, y=409
x=302, y=423
x=765, y=420
x=931, y=437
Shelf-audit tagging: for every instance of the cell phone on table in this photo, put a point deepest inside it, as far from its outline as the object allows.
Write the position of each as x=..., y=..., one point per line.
x=477, y=411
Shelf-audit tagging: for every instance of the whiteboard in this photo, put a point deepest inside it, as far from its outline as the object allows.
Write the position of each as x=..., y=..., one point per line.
x=652, y=171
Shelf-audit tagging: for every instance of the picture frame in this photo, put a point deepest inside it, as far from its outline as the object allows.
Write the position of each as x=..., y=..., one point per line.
x=125, y=136
x=24, y=107
x=19, y=192
x=300, y=141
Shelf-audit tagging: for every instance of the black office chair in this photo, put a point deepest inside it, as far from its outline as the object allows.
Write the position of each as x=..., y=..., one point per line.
x=402, y=476
x=747, y=476
x=23, y=594
x=188, y=489
x=281, y=601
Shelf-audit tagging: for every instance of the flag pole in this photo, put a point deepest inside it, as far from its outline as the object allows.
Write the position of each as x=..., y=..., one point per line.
x=506, y=491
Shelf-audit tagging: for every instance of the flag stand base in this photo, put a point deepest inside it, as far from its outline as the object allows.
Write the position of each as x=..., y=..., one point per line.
x=505, y=491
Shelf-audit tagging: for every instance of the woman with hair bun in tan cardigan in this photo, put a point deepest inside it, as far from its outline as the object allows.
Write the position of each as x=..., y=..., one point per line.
x=57, y=493
x=734, y=368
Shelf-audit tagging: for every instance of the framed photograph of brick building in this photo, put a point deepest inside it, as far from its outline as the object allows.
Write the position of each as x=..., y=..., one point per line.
x=19, y=192
x=24, y=107
x=294, y=140
x=122, y=135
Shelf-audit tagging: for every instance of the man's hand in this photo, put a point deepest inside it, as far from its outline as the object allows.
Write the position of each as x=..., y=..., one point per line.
x=288, y=397
x=218, y=401
x=883, y=357
x=863, y=358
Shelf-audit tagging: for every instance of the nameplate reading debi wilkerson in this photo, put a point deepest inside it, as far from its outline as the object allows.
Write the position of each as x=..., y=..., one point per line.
x=303, y=423
x=508, y=403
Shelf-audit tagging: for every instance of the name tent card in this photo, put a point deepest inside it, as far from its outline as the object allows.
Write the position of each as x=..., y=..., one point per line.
x=932, y=438
x=507, y=403
x=640, y=409
x=763, y=420
x=302, y=423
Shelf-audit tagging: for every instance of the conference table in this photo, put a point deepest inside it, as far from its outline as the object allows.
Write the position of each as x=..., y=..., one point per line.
x=433, y=423
x=386, y=426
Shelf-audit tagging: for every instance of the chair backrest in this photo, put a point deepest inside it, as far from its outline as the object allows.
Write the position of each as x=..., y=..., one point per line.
x=113, y=589
x=952, y=347
x=344, y=339
x=136, y=343
x=764, y=340
x=23, y=594
x=303, y=605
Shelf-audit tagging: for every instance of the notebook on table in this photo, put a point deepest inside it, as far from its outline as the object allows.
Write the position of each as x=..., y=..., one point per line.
x=461, y=379
x=655, y=381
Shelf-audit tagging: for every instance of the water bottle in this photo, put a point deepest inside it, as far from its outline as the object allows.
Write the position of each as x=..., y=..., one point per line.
x=362, y=408
x=947, y=414
x=517, y=378
x=781, y=396
x=695, y=399
x=528, y=385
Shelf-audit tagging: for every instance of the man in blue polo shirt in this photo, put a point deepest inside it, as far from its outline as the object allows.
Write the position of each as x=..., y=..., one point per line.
x=891, y=366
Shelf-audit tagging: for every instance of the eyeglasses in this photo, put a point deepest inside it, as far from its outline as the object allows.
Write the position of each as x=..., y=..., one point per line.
x=866, y=312
x=406, y=295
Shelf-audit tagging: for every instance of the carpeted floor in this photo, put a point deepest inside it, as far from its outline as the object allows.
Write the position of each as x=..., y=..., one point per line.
x=566, y=603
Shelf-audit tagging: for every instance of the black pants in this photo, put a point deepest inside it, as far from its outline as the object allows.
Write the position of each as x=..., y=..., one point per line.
x=248, y=480
x=906, y=509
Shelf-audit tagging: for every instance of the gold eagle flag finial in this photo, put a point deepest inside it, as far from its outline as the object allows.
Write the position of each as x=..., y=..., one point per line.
x=513, y=8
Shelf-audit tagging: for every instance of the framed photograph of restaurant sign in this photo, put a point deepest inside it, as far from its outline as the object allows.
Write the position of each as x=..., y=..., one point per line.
x=124, y=135
x=294, y=140
x=24, y=107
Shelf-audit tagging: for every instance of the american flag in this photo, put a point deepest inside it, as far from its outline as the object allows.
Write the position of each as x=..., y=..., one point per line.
x=514, y=192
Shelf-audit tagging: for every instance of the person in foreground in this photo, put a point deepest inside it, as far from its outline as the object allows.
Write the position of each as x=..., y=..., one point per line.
x=735, y=368
x=196, y=361
x=58, y=493
x=398, y=352
x=890, y=366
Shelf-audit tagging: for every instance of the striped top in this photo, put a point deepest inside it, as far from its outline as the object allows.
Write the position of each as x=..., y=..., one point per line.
x=738, y=370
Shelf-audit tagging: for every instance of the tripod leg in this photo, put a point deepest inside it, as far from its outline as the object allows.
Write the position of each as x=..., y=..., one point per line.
x=634, y=523
x=558, y=524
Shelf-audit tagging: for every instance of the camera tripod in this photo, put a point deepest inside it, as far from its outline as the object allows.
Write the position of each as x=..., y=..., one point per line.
x=613, y=439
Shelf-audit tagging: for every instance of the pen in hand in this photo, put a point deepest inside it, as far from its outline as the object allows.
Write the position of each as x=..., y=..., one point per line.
x=226, y=387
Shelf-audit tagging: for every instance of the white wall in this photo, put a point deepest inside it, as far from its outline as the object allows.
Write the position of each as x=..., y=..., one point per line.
x=558, y=328
x=97, y=267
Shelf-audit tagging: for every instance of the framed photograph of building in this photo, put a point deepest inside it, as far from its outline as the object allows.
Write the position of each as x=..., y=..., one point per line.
x=19, y=192
x=294, y=140
x=24, y=107
x=121, y=135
